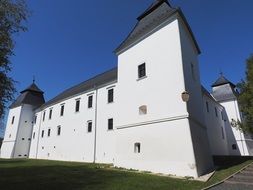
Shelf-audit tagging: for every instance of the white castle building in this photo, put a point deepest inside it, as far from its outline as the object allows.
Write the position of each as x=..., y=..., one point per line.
x=151, y=113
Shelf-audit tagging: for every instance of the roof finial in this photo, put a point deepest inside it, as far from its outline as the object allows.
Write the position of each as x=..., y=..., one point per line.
x=33, y=79
x=221, y=73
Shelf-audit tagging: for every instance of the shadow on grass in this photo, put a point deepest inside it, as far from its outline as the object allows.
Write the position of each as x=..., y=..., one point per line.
x=224, y=162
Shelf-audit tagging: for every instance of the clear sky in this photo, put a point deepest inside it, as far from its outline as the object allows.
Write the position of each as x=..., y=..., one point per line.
x=70, y=41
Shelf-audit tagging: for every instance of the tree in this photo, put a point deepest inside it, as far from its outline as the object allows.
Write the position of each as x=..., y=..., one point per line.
x=246, y=98
x=13, y=14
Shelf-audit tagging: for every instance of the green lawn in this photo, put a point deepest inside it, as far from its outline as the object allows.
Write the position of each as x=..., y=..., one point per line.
x=46, y=175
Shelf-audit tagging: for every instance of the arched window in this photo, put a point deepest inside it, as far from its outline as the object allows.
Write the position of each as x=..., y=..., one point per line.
x=137, y=147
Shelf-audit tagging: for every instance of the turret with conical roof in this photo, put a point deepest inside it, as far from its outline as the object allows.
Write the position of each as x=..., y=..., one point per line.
x=223, y=89
x=32, y=95
x=19, y=126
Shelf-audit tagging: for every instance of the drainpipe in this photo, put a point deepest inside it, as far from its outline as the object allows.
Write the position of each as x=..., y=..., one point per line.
x=95, y=126
x=237, y=114
x=38, y=134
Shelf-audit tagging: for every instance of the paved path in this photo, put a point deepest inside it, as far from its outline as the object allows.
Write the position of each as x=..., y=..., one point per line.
x=240, y=181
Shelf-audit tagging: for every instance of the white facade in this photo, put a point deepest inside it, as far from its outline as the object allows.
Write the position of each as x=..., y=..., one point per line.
x=136, y=118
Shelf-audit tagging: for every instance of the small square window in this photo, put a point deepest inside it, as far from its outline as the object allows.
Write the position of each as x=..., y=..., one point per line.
x=89, y=127
x=77, y=105
x=110, y=124
x=137, y=147
x=110, y=95
x=142, y=70
x=90, y=101
x=234, y=147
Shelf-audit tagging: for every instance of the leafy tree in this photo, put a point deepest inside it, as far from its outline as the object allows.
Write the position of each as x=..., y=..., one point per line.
x=246, y=98
x=13, y=14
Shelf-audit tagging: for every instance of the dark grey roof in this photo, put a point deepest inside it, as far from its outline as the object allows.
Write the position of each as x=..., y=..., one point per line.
x=33, y=88
x=31, y=95
x=154, y=16
x=221, y=81
x=205, y=91
x=90, y=84
x=224, y=93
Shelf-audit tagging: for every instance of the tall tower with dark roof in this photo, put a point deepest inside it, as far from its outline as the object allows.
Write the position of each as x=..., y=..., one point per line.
x=224, y=91
x=19, y=126
x=157, y=64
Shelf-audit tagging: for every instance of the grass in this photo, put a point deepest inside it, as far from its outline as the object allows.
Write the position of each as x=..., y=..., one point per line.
x=47, y=175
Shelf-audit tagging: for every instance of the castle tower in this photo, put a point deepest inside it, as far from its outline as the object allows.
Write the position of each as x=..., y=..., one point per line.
x=156, y=130
x=224, y=91
x=19, y=125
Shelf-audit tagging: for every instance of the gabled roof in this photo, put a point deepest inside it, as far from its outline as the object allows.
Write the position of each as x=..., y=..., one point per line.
x=31, y=96
x=85, y=86
x=154, y=16
x=221, y=81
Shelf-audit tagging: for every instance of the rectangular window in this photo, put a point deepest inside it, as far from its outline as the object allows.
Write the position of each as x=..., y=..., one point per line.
x=137, y=147
x=59, y=130
x=90, y=101
x=50, y=113
x=216, y=112
x=13, y=119
x=89, y=126
x=142, y=70
x=62, y=110
x=207, y=107
x=110, y=124
x=44, y=115
x=33, y=135
x=77, y=105
x=35, y=119
x=222, y=133
x=48, y=132
x=110, y=95
x=42, y=133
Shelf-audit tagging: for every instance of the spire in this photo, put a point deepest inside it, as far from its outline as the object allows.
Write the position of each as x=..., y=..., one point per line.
x=32, y=88
x=33, y=79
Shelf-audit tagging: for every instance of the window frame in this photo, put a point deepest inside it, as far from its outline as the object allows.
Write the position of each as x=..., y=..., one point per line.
x=77, y=106
x=110, y=124
x=142, y=73
x=13, y=120
x=89, y=126
x=59, y=130
x=90, y=101
x=137, y=148
x=50, y=113
x=62, y=110
x=110, y=95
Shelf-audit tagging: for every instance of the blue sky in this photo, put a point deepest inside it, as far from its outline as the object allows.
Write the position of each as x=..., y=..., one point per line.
x=70, y=41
